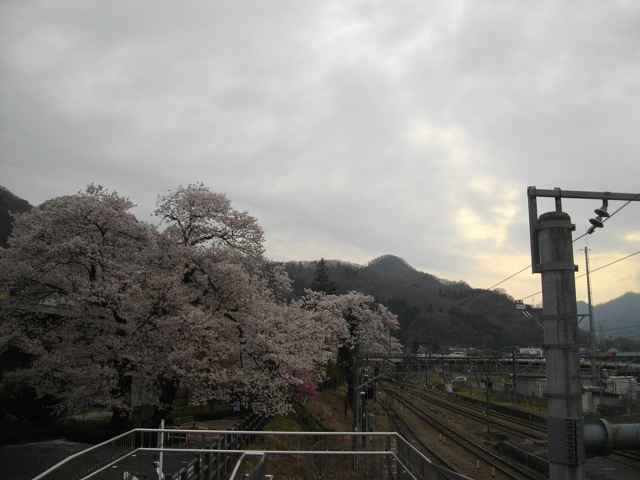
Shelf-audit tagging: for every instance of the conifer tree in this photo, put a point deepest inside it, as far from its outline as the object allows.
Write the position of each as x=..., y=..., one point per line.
x=321, y=280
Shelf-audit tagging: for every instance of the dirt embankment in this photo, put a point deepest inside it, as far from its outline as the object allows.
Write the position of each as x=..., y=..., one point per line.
x=328, y=410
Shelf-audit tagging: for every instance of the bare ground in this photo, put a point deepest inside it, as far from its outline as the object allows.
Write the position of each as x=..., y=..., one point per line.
x=328, y=410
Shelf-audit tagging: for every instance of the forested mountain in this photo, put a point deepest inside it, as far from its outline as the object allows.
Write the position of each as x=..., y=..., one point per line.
x=432, y=312
x=619, y=317
x=9, y=203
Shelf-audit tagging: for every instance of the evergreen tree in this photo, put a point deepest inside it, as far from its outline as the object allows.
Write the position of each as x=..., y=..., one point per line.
x=321, y=280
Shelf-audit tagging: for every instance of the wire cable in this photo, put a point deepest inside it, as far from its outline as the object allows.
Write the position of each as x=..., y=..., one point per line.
x=509, y=278
x=609, y=264
x=486, y=290
x=575, y=240
x=590, y=271
x=610, y=215
x=539, y=292
x=623, y=327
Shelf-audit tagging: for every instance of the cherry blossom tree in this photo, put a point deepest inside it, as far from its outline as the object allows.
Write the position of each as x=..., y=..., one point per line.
x=116, y=313
x=197, y=217
x=112, y=310
x=263, y=351
x=361, y=321
x=77, y=272
x=219, y=255
x=282, y=352
x=356, y=321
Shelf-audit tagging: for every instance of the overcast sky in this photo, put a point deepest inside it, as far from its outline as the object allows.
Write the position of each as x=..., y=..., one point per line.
x=349, y=129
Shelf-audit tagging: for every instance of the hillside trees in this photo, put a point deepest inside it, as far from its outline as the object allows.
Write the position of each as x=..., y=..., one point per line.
x=422, y=303
x=321, y=280
x=9, y=203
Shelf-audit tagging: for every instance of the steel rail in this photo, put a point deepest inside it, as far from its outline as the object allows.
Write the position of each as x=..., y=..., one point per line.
x=451, y=404
x=470, y=446
x=400, y=428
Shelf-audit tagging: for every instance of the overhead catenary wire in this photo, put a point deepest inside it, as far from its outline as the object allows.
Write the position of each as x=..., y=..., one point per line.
x=540, y=291
x=575, y=240
x=609, y=264
x=468, y=299
x=510, y=277
x=610, y=215
x=623, y=327
x=590, y=271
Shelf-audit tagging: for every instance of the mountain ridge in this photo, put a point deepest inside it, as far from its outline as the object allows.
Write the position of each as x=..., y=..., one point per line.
x=617, y=317
x=9, y=203
x=430, y=310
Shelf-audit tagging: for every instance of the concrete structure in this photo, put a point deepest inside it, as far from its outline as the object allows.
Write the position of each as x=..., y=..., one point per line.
x=533, y=385
x=552, y=257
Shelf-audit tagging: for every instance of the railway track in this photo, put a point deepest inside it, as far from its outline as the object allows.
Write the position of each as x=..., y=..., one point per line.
x=487, y=463
x=509, y=425
x=402, y=427
x=457, y=414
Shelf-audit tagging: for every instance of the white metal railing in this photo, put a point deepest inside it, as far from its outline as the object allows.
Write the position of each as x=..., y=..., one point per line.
x=212, y=454
x=93, y=460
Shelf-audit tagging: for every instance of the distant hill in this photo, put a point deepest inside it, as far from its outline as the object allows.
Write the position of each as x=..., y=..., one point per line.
x=443, y=313
x=433, y=313
x=9, y=203
x=619, y=317
x=397, y=269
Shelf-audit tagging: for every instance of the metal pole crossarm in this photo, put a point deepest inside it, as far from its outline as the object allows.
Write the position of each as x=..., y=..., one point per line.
x=534, y=225
x=559, y=193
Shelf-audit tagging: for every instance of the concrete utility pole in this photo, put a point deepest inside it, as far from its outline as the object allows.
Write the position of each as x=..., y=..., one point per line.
x=552, y=256
x=565, y=423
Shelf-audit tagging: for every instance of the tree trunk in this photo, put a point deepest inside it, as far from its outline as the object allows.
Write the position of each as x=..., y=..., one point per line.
x=168, y=389
x=119, y=419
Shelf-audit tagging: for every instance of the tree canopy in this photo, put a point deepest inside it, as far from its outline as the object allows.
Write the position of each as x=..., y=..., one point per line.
x=116, y=313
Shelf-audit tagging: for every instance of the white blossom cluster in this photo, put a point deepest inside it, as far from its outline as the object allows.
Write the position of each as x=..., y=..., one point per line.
x=116, y=312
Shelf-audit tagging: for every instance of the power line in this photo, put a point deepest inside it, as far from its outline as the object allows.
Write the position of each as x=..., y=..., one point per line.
x=532, y=294
x=575, y=240
x=590, y=271
x=624, y=327
x=628, y=202
x=609, y=264
x=610, y=215
x=536, y=293
x=509, y=278
x=486, y=290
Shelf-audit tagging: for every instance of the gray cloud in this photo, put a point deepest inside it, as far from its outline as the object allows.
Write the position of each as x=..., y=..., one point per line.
x=349, y=129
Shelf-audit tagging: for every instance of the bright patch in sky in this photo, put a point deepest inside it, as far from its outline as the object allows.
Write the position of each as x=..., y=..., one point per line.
x=348, y=129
